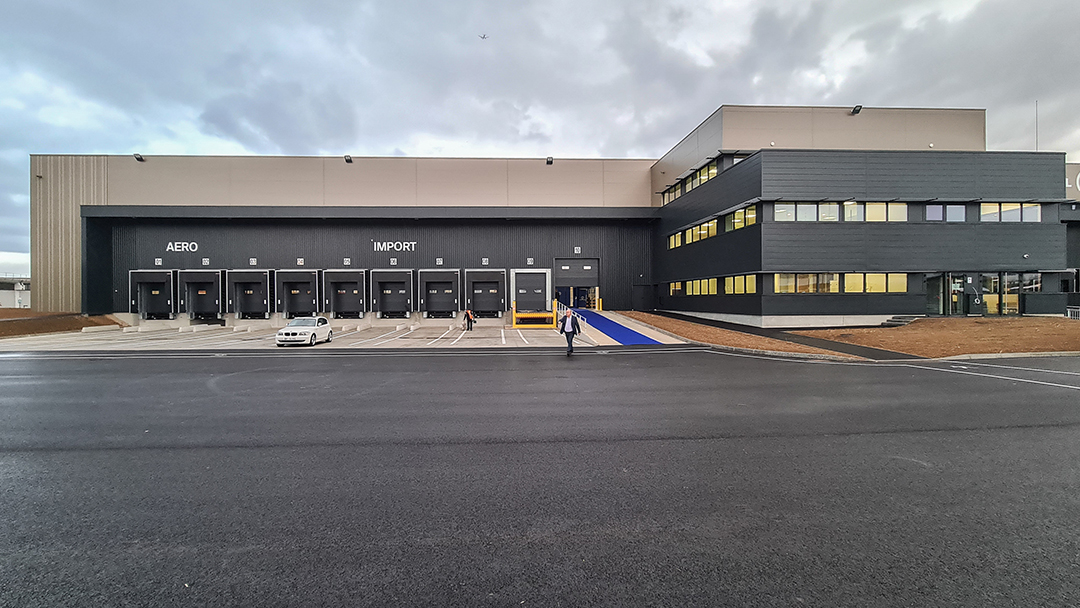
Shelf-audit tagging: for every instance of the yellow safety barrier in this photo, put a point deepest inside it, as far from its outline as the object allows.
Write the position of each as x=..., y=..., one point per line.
x=538, y=320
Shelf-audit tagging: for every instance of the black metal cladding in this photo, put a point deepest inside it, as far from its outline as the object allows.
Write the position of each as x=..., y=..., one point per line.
x=623, y=246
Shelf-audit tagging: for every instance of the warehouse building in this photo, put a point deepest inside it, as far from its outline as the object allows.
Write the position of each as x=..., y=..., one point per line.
x=769, y=216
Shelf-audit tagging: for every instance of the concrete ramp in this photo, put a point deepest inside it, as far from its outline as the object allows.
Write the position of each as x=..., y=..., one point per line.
x=624, y=330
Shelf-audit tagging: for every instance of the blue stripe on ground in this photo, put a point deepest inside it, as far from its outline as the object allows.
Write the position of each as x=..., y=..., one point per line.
x=620, y=333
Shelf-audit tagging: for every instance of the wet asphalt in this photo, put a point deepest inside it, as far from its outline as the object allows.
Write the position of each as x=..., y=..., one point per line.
x=621, y=477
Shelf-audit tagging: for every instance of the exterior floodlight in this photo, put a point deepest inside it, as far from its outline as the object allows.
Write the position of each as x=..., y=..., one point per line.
x=348, y=159
x=139, y=158
x=856, y=110
x=550, y=160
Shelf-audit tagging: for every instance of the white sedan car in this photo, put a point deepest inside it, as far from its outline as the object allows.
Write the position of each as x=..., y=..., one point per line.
x=305, y=330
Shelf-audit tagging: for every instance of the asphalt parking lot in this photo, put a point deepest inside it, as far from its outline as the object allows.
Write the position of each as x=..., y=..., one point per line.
x=401, y=335
x=671, y=476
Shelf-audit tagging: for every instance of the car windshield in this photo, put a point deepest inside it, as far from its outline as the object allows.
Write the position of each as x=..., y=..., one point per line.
x=302, y=323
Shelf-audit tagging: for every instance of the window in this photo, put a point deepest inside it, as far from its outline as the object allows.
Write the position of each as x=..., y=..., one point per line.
x=689, y=236
x=934, y=213
x=1031, y=282
x=897, y=212
x=741, y=284
x=853, y=283
x=854, y=212
x=955, y=213
x=875, y=282
x=712, y=287
x=712, y=228
x=784, y=212
x=805, y=283
x=784, y=283
x=990, y=212
x=828, y=212
x=1010, y=212
x=740, y=219
x=1032, y=212
x=751, y=215
x=806, y=212
x=828, y=282
x=876, y=212
x=896, y=283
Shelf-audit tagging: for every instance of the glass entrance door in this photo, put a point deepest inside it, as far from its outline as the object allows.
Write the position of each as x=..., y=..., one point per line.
x=935, y=294
x=955, y=300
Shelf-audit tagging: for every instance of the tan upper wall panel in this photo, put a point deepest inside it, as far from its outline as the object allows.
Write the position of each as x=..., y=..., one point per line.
x=754, y=128
x=1072, y=173
x=750, y=128
x=379, y=181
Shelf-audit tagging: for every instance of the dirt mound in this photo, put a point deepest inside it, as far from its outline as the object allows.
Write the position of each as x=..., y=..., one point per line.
x=47, y=323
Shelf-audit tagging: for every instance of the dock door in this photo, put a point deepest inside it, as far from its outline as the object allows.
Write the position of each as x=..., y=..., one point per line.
x=439, y=293
x=485, y=292
x=151, y=293
x=200, y=293
x=532, y=289
x=392, y=293
x=297, y=293
x=248, y=293
x=343, y=293
x=577, y=282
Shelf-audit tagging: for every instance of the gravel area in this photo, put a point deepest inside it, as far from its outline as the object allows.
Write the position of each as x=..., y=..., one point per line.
x=723, y=337
x=47, y=323
x=946, y=337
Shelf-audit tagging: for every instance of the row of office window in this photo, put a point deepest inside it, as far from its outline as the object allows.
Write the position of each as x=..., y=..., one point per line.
x=736, y=285
x=732, y=221
x=690, y=182
x=852, y=211
x=835, y=282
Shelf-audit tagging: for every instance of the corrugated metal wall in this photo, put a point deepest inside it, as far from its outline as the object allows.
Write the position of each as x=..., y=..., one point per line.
x=623, y=247
x=59, y=185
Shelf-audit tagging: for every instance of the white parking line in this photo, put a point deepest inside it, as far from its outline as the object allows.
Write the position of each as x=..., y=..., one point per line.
x=375, y=338
x=522, y=337
x=395, y=337
x=502, y=332
x=439, y=338
x=458, y=338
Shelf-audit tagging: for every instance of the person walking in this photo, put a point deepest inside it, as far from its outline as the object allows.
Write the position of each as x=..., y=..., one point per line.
x=468, y=320
x=569, y=327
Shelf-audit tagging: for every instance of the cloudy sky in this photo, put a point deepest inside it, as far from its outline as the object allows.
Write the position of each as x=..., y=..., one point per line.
x=581, y=78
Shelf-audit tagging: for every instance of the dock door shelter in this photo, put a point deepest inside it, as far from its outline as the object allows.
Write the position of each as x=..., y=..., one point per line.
x=151, y=293
x=392, y=295
x=200, y=293
x=485, y=292
x=248, y=293
x=297, y=293
x=344, y=293
x=439, y=293
x=577, y=282
x=531, y=288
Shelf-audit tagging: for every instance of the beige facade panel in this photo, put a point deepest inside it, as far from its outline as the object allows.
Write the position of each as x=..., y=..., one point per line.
x=750, y=128
x=627, y=184
x=1072, y=173
x=370, y=182
x=461, y=182
x=59, y=185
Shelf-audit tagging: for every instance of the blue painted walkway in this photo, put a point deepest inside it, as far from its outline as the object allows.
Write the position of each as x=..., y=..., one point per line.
x=613, y=330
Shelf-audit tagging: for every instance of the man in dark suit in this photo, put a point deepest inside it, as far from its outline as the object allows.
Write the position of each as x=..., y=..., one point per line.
x=569, y=327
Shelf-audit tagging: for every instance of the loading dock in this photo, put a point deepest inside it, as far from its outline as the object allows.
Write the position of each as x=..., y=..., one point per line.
x=200, y=293
x=531, y=288
x=151, y=293
x=577, y=282
x=392, y=293
x=343, y=293
x=485, y=292
x=248, y=293
x=439, y=293
x=297, y=293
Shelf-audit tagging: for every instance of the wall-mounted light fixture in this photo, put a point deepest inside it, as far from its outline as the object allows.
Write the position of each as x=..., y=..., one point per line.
x=139, y=158
x=348, y=159
x=856, y=110
x=550, y=160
